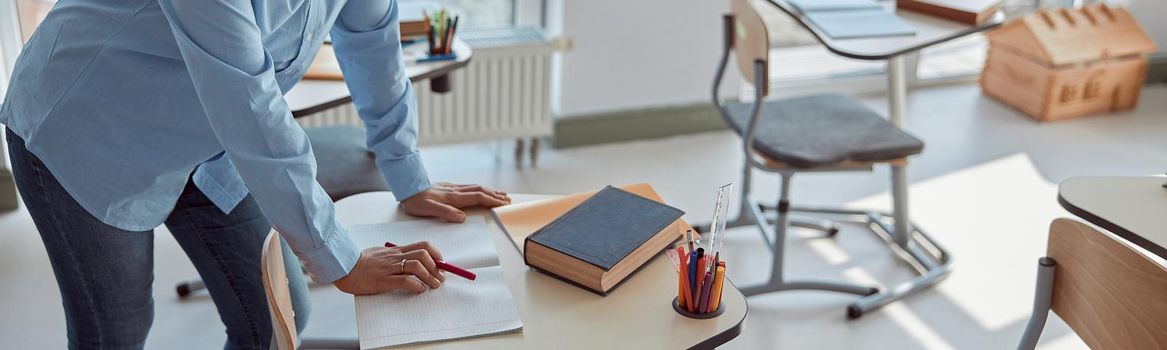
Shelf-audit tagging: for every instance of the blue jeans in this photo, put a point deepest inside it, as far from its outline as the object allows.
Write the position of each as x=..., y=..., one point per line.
x=106, y=275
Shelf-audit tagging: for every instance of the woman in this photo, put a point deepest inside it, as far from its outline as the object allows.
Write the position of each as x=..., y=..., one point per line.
x=128, y=114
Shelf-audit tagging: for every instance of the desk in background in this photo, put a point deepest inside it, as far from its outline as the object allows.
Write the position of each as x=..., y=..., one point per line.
x=638, y=315
x=313, y=96
x=1132, y=207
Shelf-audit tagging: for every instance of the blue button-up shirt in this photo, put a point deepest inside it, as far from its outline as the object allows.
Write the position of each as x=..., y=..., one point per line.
x=126, y=100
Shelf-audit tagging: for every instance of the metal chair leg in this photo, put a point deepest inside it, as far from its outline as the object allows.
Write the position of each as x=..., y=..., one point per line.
x=777, y=281
x=923, y=253
x=534, y=152
x=911, y=244
x=188, y=287
x=1042, y=299
x=742, y=219
x=829, y=227
x=908, y=242
x=519, y=149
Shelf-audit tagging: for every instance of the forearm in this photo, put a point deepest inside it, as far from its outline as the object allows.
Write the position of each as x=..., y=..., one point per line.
x=368, y=45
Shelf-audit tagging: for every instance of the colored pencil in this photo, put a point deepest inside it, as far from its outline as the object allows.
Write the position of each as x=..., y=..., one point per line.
x=706, y=289
x=449, y=36
x=683, y=277
x=718, y=284
x=429, y=32
x=692, y=270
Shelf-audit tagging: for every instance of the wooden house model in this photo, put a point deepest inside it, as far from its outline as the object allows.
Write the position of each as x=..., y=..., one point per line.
x=1063, y=63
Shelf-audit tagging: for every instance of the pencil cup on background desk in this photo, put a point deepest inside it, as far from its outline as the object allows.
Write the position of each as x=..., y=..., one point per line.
x=700, y=270
x=440, y=32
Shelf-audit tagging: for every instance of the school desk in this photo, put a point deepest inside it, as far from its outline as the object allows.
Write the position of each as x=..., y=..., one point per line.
x=557, y=315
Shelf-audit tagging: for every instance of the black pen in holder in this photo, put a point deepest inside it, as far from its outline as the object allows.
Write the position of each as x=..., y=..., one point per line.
x=701, y=275
x=700, y=282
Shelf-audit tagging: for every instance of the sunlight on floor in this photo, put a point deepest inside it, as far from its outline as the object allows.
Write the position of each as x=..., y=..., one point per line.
x=984, y=231
x=979, y=240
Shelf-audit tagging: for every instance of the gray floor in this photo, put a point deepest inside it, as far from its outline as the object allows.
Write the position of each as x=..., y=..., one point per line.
x=985, y=187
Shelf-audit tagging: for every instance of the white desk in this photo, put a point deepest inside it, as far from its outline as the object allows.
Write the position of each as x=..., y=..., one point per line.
x=1134, y=208
x=312, y=96
x=929, y=31
x=556, y=315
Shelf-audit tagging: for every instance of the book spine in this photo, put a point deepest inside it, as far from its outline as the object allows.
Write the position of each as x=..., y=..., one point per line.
x=938, y=11
x=570, y=281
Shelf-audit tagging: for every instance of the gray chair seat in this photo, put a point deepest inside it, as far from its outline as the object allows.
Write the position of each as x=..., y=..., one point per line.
x=345, y=166
x=823, y=130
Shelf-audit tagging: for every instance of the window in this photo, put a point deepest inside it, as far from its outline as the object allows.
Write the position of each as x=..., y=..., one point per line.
x=480, y=14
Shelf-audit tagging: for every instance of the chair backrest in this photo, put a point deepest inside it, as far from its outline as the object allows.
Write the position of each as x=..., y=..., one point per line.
x=750, y=42
x=279, y=298
x=1113, y=296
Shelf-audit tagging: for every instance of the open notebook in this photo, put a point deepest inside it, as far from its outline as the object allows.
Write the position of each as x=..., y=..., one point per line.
x=459, y=309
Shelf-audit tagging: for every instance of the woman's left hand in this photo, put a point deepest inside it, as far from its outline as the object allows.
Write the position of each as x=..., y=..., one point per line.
x=445, y=200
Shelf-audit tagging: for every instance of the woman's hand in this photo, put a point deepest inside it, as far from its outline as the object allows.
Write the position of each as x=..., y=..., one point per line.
x=444, y=200
x=380, y=270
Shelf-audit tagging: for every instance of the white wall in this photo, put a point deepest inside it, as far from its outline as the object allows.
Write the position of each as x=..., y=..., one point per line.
x=642, y=53
x=1151, y=15
x=639, y=53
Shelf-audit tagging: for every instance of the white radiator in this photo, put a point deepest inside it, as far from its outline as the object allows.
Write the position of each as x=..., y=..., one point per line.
x=503, y=93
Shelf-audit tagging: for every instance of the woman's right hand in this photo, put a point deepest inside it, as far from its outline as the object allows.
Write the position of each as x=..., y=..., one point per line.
x=380, y=270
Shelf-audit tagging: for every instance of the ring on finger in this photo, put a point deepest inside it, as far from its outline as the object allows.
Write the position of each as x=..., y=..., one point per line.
x=403, y=262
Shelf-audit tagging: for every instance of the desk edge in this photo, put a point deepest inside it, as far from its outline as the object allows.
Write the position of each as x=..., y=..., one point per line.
x=349, y=98
x=1112, y=227
x=971, y=29
x=729, y=334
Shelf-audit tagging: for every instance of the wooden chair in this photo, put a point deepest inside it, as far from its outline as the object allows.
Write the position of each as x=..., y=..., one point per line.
x=1111, y=295
x=279, y=302
x=815, y=134
x=279, y=298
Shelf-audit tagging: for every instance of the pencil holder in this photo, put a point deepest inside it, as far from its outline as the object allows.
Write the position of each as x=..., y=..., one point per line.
x=698, y=287
x=701, y=316
x=440, y=32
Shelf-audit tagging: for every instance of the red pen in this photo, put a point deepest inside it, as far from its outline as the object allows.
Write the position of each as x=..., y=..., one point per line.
x=447, y=266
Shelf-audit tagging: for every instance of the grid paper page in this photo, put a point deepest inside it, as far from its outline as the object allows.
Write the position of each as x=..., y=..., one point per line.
x=466, y=245
x=459, y=309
